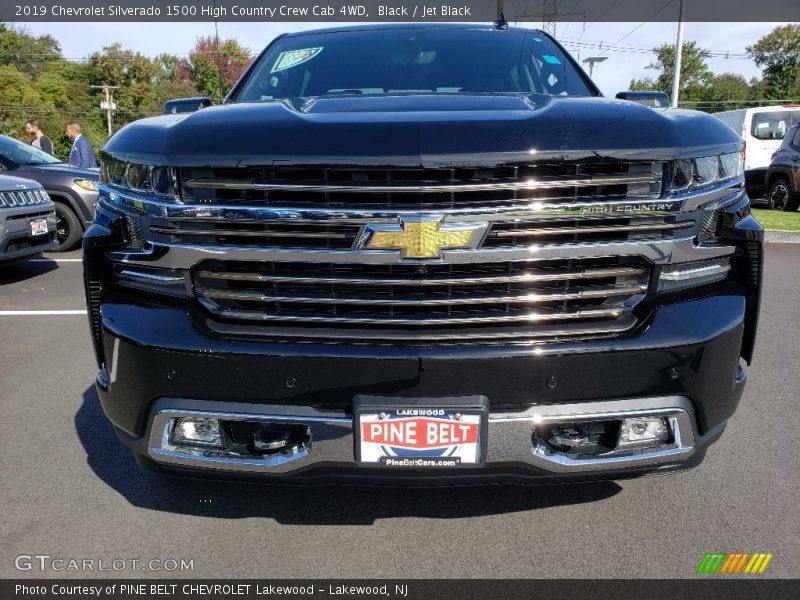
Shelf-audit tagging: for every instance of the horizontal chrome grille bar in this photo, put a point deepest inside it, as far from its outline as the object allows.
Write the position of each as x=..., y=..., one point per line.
x=151, y=277
x=536, y=209
x=529, y=316
x=658, y=251
x=532, y=184
x=554, y=275
x=548, y=231
x=400, y=301
x=497, y=335
x=251, y=233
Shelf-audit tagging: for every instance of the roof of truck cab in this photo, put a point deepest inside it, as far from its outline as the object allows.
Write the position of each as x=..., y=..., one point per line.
x=401, y=26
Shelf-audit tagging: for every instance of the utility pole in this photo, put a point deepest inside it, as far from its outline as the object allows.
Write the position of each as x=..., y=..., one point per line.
x=549, y=16
x=108, y=105
x=676, y=73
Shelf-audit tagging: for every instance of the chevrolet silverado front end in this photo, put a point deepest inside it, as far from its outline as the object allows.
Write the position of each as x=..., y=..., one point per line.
x=422, y=254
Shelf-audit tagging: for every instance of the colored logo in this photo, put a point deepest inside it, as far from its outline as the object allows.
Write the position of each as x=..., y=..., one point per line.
x=734, y=563
x=419, y=437
x=419, y=433
x=423, y=237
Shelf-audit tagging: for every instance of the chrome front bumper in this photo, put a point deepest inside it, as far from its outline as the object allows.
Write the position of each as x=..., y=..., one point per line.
x=509, y=438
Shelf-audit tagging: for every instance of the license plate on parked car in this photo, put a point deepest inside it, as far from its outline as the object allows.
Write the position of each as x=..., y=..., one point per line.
x=420, y=436
x=38, y=226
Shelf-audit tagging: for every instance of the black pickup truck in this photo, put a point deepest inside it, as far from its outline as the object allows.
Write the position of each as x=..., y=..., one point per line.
x=421, y=254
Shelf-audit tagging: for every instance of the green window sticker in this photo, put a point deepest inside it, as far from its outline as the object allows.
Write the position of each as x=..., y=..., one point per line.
x=549, y=58
x=292, y=58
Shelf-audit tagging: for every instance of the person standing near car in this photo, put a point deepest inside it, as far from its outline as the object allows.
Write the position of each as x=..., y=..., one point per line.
x=40, y=140
x=82, y=153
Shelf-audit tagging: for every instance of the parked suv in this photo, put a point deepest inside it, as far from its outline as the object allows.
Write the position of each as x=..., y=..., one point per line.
x=762, y=129
x=73, y=190
x=27, y=220
x=418, y=253
x=783, y=174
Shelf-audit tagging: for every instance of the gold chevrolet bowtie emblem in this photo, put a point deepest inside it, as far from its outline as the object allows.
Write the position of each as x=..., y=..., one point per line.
x=422, y=237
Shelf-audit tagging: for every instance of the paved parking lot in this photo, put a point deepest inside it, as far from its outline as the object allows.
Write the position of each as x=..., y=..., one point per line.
x=70, y=490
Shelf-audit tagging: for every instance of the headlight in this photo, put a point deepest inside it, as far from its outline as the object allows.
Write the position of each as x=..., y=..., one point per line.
x=690, y=173
x=148, y=180
x=90, y=185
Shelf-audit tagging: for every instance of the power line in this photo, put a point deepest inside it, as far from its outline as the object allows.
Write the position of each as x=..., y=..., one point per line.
x=650, y=18
x=636, y=49
x=602, y=14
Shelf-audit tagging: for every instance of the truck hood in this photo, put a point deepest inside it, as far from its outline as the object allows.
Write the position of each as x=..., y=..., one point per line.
x=421, y=130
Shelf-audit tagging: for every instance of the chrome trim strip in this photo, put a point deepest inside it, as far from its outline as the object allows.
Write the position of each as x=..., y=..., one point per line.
x=535, y=208
x=477, y=299
x=577, y=229
x=538, y=209
x=528, y=317
x=728, y=192
x=250, y=233
x=531, y=184
x=696, y=272
x=545, y=275
x=509, y=439
x=658, y=251
x=522, y=335
x=151, y=277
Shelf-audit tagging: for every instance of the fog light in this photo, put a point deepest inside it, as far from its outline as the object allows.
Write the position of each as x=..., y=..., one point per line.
x=196, y=431
x=643, y=431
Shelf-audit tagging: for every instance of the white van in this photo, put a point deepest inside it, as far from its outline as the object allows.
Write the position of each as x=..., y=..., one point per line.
x=762, y=130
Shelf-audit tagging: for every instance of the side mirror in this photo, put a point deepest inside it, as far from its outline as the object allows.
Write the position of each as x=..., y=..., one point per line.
x=652, y=99
x=184, y=105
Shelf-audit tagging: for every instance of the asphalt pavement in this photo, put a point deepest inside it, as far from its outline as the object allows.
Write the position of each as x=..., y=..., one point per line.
x=71, y=491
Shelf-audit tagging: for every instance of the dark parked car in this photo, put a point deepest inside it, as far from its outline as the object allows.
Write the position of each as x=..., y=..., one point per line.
x=27, y=220
x=73, y=190
x=418, y=253
x=783, y=174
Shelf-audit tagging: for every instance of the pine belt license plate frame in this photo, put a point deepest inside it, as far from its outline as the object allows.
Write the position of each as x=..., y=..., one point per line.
x=37, y=227
x=474, y=410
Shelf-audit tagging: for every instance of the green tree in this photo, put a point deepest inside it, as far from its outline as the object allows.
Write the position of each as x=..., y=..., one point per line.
x=778, y=54
x=215, y=66
x=28, y=53
x=695, y=74
x=132, y=73
x=726, y=91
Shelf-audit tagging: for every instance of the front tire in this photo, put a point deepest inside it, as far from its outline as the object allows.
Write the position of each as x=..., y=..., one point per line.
x=780, y=196
x=68, y=228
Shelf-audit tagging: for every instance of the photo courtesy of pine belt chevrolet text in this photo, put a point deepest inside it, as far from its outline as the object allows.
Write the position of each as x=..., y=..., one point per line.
x=421, y=254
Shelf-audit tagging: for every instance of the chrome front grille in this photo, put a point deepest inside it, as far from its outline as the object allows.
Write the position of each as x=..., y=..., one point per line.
x=426, y=302
x=420, y=189
x=24, y=198
x=328, y=209
x=564, y=250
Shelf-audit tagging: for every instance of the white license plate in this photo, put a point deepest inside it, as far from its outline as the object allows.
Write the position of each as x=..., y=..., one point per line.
x=420, y=437
x=38, y=226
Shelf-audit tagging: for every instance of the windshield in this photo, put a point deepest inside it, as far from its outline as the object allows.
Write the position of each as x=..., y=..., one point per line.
x=24, y=154
x=449, y=61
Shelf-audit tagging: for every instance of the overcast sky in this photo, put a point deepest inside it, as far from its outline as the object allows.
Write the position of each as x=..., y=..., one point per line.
x=626, y=61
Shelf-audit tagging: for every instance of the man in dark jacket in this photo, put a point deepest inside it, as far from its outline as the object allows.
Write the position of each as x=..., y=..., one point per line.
x=40, y=140
x=82, y=153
